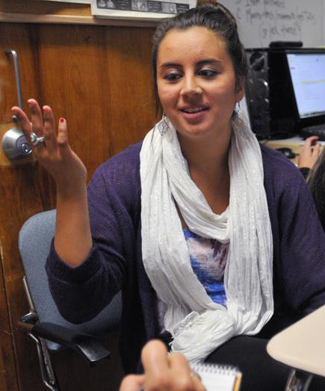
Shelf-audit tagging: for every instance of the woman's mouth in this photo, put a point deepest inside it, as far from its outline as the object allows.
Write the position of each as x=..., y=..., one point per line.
x=194, y=110
x=194, y=113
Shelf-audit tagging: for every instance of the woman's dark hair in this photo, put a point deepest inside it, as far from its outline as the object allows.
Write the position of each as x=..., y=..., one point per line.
x=316, y=183
x=213, y=16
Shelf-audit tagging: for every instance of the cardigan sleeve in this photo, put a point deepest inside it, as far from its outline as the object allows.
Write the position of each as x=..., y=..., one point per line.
x=82, y=292
x=302, y=245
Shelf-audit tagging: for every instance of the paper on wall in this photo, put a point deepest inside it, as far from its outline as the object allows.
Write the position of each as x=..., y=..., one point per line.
x=140, y=9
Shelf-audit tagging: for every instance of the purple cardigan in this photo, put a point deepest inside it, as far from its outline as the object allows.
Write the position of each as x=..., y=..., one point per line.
x=115, y=261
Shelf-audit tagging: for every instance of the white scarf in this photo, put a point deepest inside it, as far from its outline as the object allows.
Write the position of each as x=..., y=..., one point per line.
x=199, y=325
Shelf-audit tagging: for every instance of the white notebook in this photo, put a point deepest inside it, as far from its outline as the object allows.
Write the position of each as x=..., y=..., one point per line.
x=218, y=377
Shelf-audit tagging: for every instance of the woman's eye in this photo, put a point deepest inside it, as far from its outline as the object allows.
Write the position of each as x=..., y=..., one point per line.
x=207, y=73
x=172, y=76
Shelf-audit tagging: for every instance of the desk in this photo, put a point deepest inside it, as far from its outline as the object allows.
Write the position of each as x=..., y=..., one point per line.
x=302, y=345
x=295, y=143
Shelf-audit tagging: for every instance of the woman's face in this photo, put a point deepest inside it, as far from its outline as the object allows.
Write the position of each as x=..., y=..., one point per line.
x=196, y=82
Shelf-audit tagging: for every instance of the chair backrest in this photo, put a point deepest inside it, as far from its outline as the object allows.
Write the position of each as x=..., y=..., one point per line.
x=34, y=245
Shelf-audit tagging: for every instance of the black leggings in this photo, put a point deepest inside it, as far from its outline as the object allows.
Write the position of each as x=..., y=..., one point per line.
x=260, y=371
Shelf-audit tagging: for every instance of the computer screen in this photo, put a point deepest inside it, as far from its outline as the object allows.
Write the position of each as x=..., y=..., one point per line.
x=307, y=71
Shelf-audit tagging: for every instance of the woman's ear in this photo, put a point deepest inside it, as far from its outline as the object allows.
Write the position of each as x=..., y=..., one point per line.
x=240, y=89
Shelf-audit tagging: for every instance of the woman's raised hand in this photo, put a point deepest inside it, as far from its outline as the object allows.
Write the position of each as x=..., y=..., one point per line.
x=54, y=153
x=73, y=239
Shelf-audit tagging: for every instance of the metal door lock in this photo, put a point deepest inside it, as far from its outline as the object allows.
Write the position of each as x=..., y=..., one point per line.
x=15, y=144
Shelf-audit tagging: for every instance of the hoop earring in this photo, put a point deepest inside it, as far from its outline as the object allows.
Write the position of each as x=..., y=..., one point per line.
x=163, y=125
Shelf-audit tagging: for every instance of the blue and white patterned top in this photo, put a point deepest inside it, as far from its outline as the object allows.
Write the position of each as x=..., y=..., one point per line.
x=208, y=259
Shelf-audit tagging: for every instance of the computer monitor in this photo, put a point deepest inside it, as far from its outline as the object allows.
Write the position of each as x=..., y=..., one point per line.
x=307, y=74
x=286, y=90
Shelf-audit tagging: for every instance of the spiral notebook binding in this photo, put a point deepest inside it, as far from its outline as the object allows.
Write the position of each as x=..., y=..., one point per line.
x=212, y=368
x=218, y=377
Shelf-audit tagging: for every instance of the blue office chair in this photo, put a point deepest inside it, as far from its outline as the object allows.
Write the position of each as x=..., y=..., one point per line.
x=44, y=323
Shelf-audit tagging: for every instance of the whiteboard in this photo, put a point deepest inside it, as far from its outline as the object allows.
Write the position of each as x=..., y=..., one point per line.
x=263, y=21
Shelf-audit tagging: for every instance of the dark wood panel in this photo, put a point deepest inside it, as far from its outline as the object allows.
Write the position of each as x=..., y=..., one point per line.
x=8, y=375
x=21, y=197
x=15, y=37
x=43, y=7
x=99, y=79
x=101, y=83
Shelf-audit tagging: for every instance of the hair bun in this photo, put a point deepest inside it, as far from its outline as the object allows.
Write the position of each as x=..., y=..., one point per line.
x=218, y=7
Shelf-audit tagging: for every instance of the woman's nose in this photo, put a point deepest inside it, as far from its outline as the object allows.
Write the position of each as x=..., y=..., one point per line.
x=190, y=86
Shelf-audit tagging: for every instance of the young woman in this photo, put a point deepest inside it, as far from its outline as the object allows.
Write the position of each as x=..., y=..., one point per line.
x=212, y=238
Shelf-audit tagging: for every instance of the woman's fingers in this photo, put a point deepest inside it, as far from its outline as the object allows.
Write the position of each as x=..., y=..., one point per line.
x=49, y=129
x=167, y=372
x=62, y=139
x=155, y=363
x=42, y=124
x=311, y=140
x=52, y=149
x=183, y=376
x=33, y=125
x=132, y=383
x=23, y=120
x=317, y=149
x=36, y=117
x=62, y=133
x=198, y=385
x=309, y=153
x=179, y=364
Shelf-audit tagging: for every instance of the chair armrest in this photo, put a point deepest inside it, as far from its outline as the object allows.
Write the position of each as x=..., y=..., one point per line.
x=90, y=348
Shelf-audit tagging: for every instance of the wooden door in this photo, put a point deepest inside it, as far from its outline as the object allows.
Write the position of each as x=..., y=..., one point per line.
x=99, y=79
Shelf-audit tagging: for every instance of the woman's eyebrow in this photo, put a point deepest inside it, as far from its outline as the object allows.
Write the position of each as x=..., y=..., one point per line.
x=198, y=64
x=170, y=65
x=209, y=61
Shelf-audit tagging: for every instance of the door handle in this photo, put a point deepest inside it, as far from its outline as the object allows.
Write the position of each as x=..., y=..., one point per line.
x=14, y=142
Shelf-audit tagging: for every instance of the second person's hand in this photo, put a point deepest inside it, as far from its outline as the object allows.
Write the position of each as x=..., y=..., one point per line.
x=162, y=372
x=309, y=153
